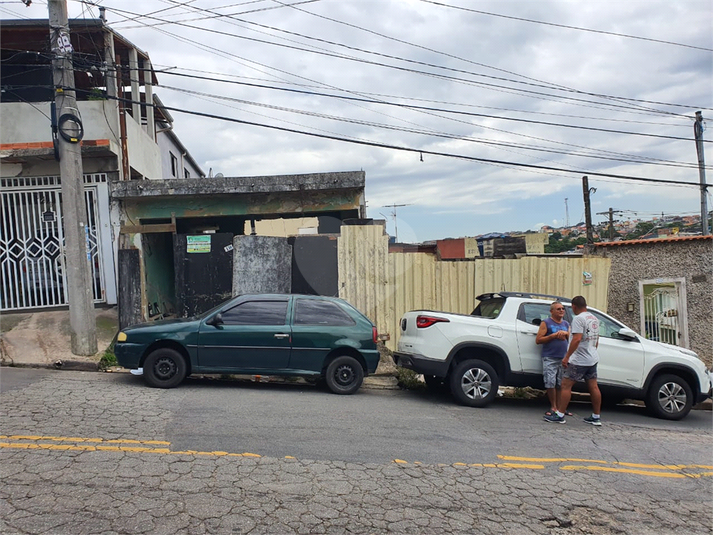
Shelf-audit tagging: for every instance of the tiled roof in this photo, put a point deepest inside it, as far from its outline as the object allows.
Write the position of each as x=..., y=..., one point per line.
x=653, y=240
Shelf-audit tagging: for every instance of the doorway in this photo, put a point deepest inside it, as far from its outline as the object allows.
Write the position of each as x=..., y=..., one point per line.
x=663, y=311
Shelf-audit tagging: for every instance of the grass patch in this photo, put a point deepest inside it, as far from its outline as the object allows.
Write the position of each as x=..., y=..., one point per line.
x=108, y=359
x=408, y=379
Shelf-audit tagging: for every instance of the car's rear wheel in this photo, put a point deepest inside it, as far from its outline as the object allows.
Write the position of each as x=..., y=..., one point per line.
x=165, y=368
x=344, y=375
x=669, y=397
x=474, y=383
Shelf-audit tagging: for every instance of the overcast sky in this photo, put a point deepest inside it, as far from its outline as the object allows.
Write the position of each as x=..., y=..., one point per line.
x=483, y=74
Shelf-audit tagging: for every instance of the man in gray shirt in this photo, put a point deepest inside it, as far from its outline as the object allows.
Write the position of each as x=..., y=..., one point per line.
x=580, y=362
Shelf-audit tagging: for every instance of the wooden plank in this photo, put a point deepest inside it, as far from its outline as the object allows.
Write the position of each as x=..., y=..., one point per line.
x=147, y=229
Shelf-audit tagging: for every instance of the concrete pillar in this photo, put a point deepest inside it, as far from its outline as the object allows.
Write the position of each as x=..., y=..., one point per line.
x=261, y=264
x=148, y=89
x=135, y=87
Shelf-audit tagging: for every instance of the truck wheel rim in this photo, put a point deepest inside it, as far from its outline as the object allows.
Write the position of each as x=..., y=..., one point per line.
x=672, y=397
x=476, y=383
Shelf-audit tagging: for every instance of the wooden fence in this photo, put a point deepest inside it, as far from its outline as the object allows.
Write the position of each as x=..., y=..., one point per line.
x=385, y=285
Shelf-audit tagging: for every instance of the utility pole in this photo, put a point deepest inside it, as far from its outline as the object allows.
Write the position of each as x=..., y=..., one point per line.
x=698, y=132
x=587, y=208
x=610, y=213
x=566, y=212
x=69, y=127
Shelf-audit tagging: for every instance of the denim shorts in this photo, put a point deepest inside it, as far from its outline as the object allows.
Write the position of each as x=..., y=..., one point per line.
x=580, y=373
x=552, y=372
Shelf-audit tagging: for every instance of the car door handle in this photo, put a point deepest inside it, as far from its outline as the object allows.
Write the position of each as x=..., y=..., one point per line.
x=282, y=335
x=530, y=334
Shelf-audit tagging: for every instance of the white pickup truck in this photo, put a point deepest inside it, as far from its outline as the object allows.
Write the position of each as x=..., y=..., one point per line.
x=495, y=346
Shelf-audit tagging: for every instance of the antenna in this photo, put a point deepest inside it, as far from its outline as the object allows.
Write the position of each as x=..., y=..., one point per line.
x=566, y=212
x=393, y=214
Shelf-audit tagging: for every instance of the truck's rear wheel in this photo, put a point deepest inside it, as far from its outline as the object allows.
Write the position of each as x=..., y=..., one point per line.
x=474, y=383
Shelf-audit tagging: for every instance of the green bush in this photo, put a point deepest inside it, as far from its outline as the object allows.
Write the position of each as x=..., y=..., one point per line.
x=108, y=359
x=408, y=379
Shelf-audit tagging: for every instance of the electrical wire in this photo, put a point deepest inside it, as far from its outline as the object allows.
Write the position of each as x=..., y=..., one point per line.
x=411, y=149
x=429, y=132
x=526, y=92
x=568, y=27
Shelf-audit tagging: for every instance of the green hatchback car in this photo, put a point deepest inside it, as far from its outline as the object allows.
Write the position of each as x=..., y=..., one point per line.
x=267, y=334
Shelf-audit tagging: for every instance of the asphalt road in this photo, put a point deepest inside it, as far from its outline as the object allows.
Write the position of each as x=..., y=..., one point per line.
x=283, y=458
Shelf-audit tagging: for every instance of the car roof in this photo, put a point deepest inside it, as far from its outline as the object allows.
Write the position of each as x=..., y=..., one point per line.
x=522, y=295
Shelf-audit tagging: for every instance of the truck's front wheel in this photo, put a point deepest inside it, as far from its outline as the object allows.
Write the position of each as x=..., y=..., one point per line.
x=474, y=383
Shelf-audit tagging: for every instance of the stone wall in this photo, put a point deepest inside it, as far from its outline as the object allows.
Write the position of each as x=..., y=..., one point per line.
x=689, y=259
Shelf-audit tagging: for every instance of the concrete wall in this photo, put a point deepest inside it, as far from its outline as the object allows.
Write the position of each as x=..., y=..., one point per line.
x=144, y=154
x=23, y=123
x=688, y=259
x=168, y=146
x=282, y=227
x=261, y=264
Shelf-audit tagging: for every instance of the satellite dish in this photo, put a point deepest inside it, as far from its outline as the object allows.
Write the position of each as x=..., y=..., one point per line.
x=220, y=175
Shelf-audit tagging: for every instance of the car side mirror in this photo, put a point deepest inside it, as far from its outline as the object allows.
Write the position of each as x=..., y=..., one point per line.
x=627, y=334
x=216, y=320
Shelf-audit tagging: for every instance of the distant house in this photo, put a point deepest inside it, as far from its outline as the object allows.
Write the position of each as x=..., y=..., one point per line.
x=663, y=288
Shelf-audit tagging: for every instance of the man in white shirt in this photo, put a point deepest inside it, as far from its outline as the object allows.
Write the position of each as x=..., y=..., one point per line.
x=580, y=362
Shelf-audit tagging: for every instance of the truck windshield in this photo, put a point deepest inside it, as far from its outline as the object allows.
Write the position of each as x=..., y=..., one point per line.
x=490, y=308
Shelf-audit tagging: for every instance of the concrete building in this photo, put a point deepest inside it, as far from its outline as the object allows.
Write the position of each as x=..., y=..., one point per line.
x=663, y=288
x=123, y=140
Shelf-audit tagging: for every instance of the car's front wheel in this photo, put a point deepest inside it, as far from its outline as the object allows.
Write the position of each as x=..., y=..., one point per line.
x=670, y=397
x=165, y=368
x=474, y=383
x=344, y=375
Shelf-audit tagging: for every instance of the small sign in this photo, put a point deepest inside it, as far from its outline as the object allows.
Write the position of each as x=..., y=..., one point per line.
x=48, y=217
x=587, y=278
x=198, y=244
x=228, y=248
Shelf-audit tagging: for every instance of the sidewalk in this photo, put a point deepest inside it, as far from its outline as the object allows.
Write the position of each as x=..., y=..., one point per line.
x=42, y=339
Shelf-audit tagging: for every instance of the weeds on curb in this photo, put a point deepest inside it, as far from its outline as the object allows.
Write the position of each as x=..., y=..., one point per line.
x=409, y=379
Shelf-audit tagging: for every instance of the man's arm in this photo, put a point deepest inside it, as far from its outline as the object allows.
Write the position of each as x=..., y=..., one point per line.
x=541, y=334
x=573, y=345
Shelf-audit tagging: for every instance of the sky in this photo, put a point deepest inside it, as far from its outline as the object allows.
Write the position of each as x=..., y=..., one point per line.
x=447, y=100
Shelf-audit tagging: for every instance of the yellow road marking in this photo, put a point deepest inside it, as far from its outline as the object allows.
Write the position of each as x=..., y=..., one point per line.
x=80, y=439
x=82, y=447
x=626, y=471
x=548, y=460
x=532, y=463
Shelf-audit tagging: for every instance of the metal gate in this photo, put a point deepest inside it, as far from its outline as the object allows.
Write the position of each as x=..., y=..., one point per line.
x=661, y=315
x=32, y=255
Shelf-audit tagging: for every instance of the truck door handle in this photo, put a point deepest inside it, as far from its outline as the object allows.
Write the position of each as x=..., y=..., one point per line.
x=282, y=335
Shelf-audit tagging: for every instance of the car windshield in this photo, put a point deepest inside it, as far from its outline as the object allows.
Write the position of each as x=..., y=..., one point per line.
x=489, y=308
x=207, y=313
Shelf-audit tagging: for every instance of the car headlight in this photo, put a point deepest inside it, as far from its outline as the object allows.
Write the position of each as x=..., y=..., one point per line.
x=121, y=337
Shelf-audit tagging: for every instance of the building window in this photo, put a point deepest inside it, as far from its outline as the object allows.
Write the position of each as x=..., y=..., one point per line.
x=186, y=173
x=174, y=165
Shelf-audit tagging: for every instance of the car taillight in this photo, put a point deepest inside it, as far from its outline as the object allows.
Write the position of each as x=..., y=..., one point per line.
x=426, y=321
x=375, y=334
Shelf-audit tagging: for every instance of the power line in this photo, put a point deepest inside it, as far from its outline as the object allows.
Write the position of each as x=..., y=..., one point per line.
x=527, y=92
x=578, y=28
x=440, y=110
x=431, y=132
x=408, y=149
